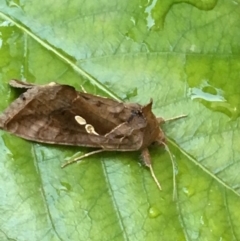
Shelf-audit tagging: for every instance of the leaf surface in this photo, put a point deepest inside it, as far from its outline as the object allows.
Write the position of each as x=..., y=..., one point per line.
x=184, y=55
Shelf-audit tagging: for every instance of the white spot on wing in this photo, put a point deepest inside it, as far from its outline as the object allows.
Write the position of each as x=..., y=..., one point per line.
x=90, y=129
x=80, y=120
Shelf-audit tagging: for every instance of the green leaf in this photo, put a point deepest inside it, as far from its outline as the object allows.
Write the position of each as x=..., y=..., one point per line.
x=182, y=54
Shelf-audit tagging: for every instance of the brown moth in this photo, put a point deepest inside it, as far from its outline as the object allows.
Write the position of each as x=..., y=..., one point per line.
x=58, y=114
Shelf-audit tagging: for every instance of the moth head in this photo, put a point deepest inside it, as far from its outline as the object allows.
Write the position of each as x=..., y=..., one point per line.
x=151, y=133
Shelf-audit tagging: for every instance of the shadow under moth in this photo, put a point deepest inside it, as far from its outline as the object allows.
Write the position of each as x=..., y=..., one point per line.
x=58, y=114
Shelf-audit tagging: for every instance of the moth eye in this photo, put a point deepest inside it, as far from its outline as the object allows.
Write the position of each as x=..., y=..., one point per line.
x=90, y=129
x=80, y=120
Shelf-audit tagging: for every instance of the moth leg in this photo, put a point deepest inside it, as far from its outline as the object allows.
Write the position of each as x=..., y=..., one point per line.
x=147, y=161
x=81, y=157
x=161, y=120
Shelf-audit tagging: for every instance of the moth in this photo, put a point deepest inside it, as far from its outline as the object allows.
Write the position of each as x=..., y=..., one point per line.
x=59, y=114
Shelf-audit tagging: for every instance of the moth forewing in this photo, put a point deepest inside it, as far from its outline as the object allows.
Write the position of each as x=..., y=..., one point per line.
x=20, y=84
x=58, y=114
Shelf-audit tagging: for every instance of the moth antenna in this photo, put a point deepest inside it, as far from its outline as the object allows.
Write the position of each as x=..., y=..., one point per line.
x=83, y=90
x=154, y=177
x=147, y=162
x=161, y=120
x=173, y=168
x=81, y=157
